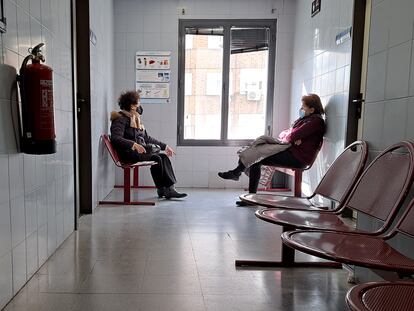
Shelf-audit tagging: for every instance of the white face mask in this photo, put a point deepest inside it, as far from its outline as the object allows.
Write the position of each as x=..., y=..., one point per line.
x=301, y=113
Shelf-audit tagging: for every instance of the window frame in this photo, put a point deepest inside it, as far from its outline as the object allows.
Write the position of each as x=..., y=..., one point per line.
x=227, y=24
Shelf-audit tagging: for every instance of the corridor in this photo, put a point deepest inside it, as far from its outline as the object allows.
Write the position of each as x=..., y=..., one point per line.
x=178, y=255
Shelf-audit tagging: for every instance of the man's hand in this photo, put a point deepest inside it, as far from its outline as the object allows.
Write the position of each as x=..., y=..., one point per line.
x=169, y=151
x=138, y=148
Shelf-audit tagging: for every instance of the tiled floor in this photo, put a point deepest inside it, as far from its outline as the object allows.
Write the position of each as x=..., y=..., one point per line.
x=178, y=255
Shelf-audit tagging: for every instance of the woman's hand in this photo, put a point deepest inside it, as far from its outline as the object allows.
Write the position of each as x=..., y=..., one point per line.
x=138, y=148
x=298, y=142
x=169, y=151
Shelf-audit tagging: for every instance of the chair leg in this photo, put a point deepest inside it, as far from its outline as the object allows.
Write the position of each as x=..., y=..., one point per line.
x=298, y=183
x=136, y=177
x=135, y=181
x=287, y=260
x=127, y=192
x=127, y=185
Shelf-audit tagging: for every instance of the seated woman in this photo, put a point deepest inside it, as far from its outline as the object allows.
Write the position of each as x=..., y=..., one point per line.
x=305, y=137
x=133, y=144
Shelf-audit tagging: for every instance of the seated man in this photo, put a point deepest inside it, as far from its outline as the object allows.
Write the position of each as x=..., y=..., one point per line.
x=305, y=137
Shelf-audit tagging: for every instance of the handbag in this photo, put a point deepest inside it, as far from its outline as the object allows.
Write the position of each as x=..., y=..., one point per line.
x=152, y=148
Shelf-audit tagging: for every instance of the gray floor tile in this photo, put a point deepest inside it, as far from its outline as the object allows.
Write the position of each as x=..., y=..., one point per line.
x=176, y=284
x=171, y=267
x=122, y=267
x=112, y=283
x=225, y=285
x=107, y=302
x=42, y=302
x=159, y=302
x=239, y=303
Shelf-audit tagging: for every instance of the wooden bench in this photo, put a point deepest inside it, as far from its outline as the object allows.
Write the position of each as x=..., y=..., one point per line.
x=127, y=175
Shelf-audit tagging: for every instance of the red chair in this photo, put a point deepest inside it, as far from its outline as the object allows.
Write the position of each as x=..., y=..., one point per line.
x=127, y=175
x=378, y=193
x=296, y=173
x=359, y=247
x=381, y=296
x=336, y=185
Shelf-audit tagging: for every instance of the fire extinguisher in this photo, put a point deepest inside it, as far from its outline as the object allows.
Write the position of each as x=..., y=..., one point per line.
x=36, y=92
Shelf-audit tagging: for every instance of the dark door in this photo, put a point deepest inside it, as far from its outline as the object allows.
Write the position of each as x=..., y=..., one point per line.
x=355, y=96
x=83, y=109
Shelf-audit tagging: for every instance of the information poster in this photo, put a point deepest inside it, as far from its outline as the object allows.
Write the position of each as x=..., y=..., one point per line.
x=153, y=90
x=153, y=76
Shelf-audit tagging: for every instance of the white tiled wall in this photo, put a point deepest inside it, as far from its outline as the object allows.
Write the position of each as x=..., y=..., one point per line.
x=36, y=192
x=103, y=170
x=389, y=107
x=153, y=25
x=322, y=67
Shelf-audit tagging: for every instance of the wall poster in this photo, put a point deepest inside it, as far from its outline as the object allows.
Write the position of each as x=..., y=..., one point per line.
x=152, y=77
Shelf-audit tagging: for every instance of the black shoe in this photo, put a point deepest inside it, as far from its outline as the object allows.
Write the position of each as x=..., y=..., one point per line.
x=243, y=203
x=229, y=175
x=171, y=193
x=161, y=192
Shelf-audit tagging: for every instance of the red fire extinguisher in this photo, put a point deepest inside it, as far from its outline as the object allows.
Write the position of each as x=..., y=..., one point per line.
x=36, y=92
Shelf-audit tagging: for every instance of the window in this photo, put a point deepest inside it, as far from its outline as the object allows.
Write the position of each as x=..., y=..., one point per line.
x=231, y=67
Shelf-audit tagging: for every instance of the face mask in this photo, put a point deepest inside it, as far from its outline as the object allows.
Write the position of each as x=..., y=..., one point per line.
x=301, y=113
x=140, y=110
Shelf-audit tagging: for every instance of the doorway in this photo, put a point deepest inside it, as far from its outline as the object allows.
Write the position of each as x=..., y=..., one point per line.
x=82, y=115
x=360, y=27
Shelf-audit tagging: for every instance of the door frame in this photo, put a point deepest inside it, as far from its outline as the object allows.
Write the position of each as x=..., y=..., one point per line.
x=74, y=117
x=355, y=97
x=82, y=100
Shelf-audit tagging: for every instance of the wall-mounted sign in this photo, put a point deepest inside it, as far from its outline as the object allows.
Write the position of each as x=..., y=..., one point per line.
x=153, y=76
x=154, y=90
x=343, y=36
x=316, y=7
x=2, y=18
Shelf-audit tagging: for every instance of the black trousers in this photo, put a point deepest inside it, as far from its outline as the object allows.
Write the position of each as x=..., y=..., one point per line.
x=162, y=173
x=284, y=158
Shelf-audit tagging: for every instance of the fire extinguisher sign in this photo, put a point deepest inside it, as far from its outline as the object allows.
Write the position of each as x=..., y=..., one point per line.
x=46, y=110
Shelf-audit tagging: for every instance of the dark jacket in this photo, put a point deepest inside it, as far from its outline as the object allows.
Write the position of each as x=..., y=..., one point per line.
x=310, y=131
x=123, y=136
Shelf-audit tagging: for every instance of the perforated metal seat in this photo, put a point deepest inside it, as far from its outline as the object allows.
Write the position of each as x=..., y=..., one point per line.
x=381, y=296
x=358, y=248
x=335, y=185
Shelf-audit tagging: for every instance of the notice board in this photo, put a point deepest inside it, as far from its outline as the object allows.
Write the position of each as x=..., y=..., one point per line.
x=152, y=78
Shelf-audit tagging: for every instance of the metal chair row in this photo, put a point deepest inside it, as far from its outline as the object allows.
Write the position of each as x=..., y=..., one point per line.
x=379, y=193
